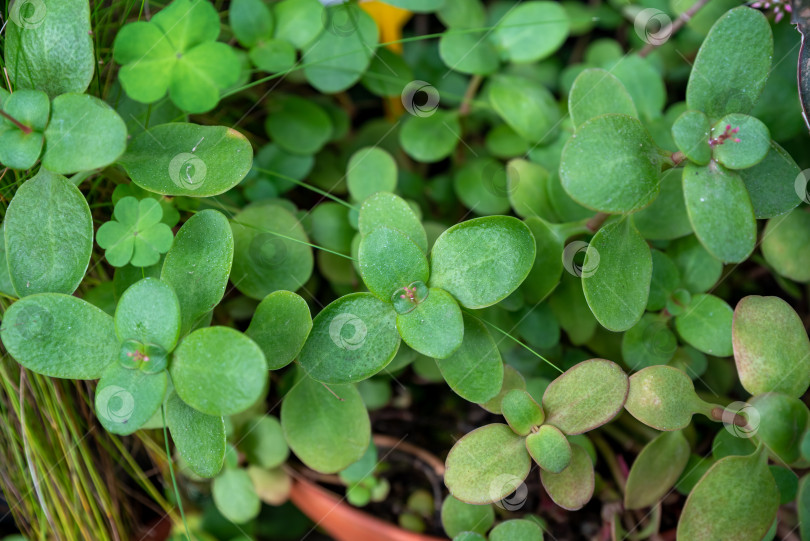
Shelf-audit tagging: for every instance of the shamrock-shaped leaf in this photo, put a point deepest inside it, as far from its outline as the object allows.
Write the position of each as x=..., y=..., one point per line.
x=135, y=234
x=176, y=51
x=25, y=115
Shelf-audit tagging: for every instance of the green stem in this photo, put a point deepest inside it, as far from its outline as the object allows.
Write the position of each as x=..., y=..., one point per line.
x=527, y=348
x=308, y=187
x=171, y=472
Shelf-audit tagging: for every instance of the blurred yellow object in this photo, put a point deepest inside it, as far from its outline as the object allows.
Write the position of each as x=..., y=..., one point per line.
x=390, y=20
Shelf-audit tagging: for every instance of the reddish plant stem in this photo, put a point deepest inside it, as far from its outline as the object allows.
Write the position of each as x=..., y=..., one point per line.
x=596, y=222
x=23, y=128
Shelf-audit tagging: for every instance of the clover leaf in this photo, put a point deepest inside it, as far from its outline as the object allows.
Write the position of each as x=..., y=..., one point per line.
x=176, y=52
x=136, y=235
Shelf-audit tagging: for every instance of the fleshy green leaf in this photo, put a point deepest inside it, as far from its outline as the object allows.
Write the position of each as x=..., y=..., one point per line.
x=780, y=424
x=706, y=325
x=487, y=464
x=480, y=185
x=126, y=399
x=474, y=371
x=31, y=59
x=149, y=312
x=666, y=218
x=548, y=262
x=597, y=92
x=298, y=21
x=481, y=261
x=84, y=133
x=352, y=339
x=46, y=210
x=280, y=326
x=389, y=260
x=771, y=184
x=586, y=396
x=573, y=487
x=549, y=448
x=622, y=151
x=385, y=209
x=199, y=438
x=60, y=336
x=511, y=379
x=656, y=469
x=736, y=499
x=251, y=21
x=691, y=133
x=187, y=159
x=219, y=371
x=326, y=432
x=699, y=269
x=783, y=245
x=528, y=108
x=517, y=530
x=747, y=144
x=430, y=138
x=648, y=342
x=434, y=327
x=616, y=283
x=458, y=516
x=732, y=65
x=771, y=347
x=263, y=442
x=298, y=125
x=664, y=398
x=370, y=170
x=264, y=261
x=531, y=31
x=468, y=52
x=521, y=411
x=198, y=264
x=235, y=496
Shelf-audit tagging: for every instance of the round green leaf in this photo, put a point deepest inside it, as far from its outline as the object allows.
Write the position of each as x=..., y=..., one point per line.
x=527, y=107
x=664, y=398
x=435, y=327
x=597, y=92
x=748, y=141
x=59, y=336
x=487, y=465
x=187, y=159
x=251, y=21
x=458, y=516
x=511, y=379
x=665, y=279
x=691, y=133
x=527, y=186
x=616, y=275
x=273, y=55
x=548, y=262
x=280, y=327
x=263, y=442
x=430, y=138
x=385, y=209
x=149, y=311
x=521, y=411
x=475, y=370
x=784, y=243
x=468, y=52
x=648, y=342
x=219, y=371
x=699, y=269
x=531, y=31
x=780, y=424
x=706, y=325
x=298, y=125
x=771, y=347
x=84, y=133
x=481, y=186
x=264, y=260
x=628, y=165
x=736, y=499
x=352, y=339
x=656, y=469
x=586, y=396
x=643, y=82
x=732, y=65
x=199, y=438
x=388, y=260
x=370, y=170
x=517, y=530
x=198, y=264
x=235, y=496
x=481, y=261
x=772, y=183
x=46, y=210
x=666, y=218
x=549, y=448
x=326, y=427
x=126, y=399
x=298, y=21
x=572, y=488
